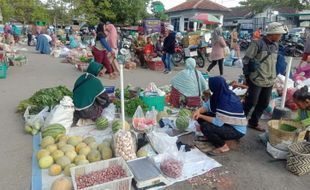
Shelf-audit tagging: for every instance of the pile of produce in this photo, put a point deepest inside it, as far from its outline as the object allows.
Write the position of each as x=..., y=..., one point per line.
x=42, y=98
x=132, y=101
x=124, y=145
x=32, y=129
x=63, y=152
x=102, y=176
x=171, y=167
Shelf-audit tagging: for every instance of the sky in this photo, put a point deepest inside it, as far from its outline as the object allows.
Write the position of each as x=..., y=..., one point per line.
x=227, y=3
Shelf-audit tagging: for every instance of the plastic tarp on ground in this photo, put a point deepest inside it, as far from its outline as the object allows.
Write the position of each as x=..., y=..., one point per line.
x=195, y=163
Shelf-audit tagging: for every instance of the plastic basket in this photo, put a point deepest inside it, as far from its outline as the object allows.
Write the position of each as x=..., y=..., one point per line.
x=157, y=101
x=3, y=70
x=119, y=184
x=298, y=158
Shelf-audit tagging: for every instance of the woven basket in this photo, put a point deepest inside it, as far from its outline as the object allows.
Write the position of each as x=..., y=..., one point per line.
x=298, y=158
x=282, y=139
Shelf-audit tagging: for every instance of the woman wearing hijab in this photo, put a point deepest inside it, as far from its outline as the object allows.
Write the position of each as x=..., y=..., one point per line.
x=217, y=53
x=89, y=95
x=189, y=83
x=112, y=38
x=222, y=117
x=101, y=49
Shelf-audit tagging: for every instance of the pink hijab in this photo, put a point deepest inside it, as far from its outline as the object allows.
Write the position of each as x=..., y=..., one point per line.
x=111, y=35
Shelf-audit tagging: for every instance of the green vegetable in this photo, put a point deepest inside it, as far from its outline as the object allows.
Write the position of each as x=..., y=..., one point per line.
x=132, y=104
x=44, y=97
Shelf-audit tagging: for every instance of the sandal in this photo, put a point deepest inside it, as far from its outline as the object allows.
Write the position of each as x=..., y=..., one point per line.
x=257, y=128
x=218, y=152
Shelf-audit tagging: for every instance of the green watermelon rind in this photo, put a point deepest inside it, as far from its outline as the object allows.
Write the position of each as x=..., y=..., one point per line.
x=182, y=123
x=102, y=123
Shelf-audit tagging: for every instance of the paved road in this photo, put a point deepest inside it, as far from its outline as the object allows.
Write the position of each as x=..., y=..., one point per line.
x=250, y=165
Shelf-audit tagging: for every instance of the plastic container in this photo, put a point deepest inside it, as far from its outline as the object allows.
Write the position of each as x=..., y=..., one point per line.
x=3, y=70
x=119, y=184
x=109, y=89
x=154, y=101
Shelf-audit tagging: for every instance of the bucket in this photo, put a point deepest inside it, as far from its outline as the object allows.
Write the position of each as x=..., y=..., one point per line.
x=3, y=70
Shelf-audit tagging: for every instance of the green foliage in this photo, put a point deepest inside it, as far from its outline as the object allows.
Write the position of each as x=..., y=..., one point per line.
x=159, y=14
x=258, y=6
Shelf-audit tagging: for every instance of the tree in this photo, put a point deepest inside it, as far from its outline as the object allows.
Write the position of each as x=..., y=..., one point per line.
x=158, y=10
x=258, y=6
x=6, y=9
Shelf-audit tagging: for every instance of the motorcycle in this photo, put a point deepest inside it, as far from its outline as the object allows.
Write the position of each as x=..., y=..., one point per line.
x=293, y=49
x=183, y=53
x=244, y=44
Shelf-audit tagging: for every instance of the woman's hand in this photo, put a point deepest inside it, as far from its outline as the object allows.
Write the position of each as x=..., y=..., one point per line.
x=196, y=115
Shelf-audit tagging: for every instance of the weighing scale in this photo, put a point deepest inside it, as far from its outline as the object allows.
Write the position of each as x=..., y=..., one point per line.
x=146, y=174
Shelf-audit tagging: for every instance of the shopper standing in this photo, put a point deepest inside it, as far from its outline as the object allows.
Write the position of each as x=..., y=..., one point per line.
x=169, y=49
x=218, y=48
x=260, y=72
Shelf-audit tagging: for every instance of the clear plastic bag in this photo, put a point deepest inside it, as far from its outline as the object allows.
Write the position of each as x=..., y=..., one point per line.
x=35, y=121
x=172, y=166
x=124, y=145
x=142, y=123
x=162, y=142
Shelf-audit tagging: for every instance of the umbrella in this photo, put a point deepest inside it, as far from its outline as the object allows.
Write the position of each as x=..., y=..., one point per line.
x=206, y=18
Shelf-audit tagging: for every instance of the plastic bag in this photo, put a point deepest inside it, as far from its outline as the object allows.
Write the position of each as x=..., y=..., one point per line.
x=36, y=121
x=109, y=112
x=142, y=123
x=125, y=145
x=152, y=88
x=162, y=142
x=172, y=166
x=62, y=114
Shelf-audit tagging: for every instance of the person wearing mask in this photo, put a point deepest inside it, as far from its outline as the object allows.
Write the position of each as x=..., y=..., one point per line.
x=188, y=83
x=138, y=47
x=259, y=70
x=257, y=34
x=100, y=51
x=112, y=38
x=89, y=95
x=169, y=48
x=306, y=50
x=221, y=117
x=218, y=47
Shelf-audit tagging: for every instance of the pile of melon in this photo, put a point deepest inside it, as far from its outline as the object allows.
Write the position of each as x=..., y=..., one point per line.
x=61, y=154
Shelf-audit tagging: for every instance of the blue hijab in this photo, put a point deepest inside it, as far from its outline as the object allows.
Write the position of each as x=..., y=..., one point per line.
x=225, y=103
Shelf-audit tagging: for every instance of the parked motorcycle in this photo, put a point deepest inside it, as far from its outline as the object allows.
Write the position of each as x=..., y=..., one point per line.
x=183, y=53
x=244, y=43
x=292, y=48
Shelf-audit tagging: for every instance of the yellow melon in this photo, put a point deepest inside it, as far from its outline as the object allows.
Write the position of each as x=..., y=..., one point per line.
x=46, y=162
x=54, y=170
x=42, y=153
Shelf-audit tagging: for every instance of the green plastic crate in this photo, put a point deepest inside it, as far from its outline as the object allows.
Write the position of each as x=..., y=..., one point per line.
x=157, y=101
x=3, y=71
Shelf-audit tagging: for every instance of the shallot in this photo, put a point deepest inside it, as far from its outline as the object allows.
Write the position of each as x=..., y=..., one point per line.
x=102, y=176
x=171, y=167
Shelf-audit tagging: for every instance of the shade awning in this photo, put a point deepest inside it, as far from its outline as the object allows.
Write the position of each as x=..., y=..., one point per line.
x=206, y=18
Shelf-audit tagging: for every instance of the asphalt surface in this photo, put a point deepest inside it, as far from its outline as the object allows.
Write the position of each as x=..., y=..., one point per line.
x=249, y=166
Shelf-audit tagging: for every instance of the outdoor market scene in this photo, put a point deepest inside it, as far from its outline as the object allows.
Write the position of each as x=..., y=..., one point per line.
x=155, y=94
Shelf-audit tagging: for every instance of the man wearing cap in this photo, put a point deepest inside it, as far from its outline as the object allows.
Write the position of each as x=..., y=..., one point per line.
x=260, y=72
x=168, y=49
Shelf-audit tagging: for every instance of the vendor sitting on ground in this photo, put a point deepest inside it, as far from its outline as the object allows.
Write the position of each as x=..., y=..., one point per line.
x=222, y=117
x=302, y=99
x=89, y=95
x=188, y=83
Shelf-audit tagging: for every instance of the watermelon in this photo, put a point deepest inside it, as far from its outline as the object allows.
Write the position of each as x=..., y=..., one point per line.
x=182, y=123
x=102, y=123
x=185, y=113
x=117, y=125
